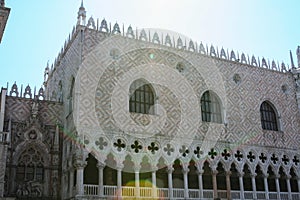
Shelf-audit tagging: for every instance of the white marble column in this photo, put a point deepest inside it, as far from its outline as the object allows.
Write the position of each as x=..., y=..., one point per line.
x=185, y=171
x=119, y=181
x=228, y=187
x=266, y=186
x=100, y=178
x=241, y=174
x=253, y=175
x=154, y=190
x=298, y=180
x=71, y=182
x=200, y=172
x=137, y=184
x=277, y=176
x=214, y=180
x=79, y=177
x=288, y=184
x=170, y=181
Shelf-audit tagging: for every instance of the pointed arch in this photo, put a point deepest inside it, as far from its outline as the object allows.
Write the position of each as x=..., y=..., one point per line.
x=71, y=94
x=142, y=97
x=211, y=107
x=91, y=171
x=269, y=116
x=206, y=176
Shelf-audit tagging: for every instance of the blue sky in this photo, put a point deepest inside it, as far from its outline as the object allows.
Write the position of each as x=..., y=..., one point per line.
x=36, y=30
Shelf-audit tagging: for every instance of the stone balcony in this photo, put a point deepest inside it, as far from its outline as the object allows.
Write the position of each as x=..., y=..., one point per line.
x=111, y=192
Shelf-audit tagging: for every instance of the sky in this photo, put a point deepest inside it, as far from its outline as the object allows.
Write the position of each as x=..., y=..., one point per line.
x=36, y=30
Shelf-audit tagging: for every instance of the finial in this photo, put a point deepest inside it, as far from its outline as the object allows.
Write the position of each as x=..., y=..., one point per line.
x=81, y=3
x=2, y=3
x=292, y=60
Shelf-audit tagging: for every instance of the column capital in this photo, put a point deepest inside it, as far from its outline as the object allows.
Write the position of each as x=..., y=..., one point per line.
x=120, y=167
x=101, y=165
x=288, y=176
x=154, y=168
x=170, y=169
x=253, y=175
x=241, y=174
x=137, y=167
x=214, y=172
x=200, y=172
x=228, y=173
x=79, y=164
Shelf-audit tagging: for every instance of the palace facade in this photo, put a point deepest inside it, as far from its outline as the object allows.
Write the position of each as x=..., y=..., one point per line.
x=150, y=114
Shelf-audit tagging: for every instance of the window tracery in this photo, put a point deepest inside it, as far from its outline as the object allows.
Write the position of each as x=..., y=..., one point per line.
x=30, y=166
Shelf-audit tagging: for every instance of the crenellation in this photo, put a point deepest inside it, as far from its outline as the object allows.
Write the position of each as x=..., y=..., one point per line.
x=157, y=39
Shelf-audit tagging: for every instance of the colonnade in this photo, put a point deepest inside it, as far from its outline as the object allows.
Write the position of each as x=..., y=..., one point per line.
x=215, y=174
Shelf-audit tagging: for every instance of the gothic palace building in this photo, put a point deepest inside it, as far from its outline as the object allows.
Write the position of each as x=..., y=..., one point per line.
x=150, y=114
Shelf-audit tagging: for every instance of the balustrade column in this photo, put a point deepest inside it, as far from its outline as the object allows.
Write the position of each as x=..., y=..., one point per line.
x=228, y=188
x=288, y=184
x=185, y=171
x=100, y=181
x=253, y=175
x=266, y=186
x=170, y=181
x=154, y=190
x=277, y=185
x=200, y=172
x=241, y=174
x=214, y=180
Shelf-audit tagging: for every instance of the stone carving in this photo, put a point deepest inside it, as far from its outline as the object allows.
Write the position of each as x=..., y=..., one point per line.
x=30, y=189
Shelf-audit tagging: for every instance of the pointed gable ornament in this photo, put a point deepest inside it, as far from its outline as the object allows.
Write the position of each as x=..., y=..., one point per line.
x=212, y=51
x=243, y=58
x=116, y=29
x=130, y=33
x=191, y=46
x=283, y=68
x=202, y=49
x=168, y=41
x=232, y=56
x=155, y=38
x=143, y=35
x=253, y=61
x=91, y=23
x=179, y=43
x=274, y=66
x=264, y=63
x=223, y=54
x=14, y=90
x=103, y=26
x=27, y=92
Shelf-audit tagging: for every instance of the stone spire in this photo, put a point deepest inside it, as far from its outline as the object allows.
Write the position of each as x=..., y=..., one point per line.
x=2, y=3
x=292, y=60
x=298, y=55
x=81, y=18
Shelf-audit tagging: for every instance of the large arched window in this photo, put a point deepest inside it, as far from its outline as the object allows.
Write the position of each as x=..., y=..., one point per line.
x=30, y=166
x=268, y=117
x=141, y=97
x=210, y=108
